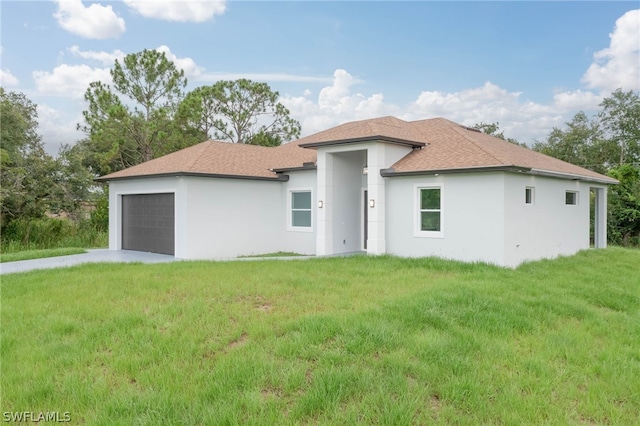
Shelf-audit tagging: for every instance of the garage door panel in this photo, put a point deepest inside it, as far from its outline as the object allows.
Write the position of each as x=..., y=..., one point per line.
x=148, y=222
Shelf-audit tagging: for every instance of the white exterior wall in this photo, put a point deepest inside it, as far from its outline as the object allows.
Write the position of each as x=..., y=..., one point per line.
x=299, y=241
x=232, y=217
x=547, y=227
x=472, y=217
x=380, y=156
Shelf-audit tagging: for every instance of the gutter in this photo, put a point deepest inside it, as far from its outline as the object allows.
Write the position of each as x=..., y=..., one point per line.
x=378, y=138
x=390, y=172
x=305, y=166
x=609, y=181
x=279, y=178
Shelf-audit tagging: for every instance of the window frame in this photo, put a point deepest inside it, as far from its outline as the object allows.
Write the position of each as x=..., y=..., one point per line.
x=575, y=198
x=290, y=210
x=531, y=200
x=417, y=211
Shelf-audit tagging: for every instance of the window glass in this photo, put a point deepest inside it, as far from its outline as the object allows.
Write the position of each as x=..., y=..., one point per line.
x=301, y=218
x=528, y=195
x=430, y=198
x=430, y=213
x=301, y=200
x=571, y=198
x=301, y=209
x=430, y=221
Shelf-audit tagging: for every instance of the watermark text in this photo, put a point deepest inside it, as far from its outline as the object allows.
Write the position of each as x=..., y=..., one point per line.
x=36, y=416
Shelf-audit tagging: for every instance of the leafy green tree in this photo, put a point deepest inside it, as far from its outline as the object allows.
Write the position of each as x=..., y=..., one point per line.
x=75, y=184
x=133, y=121
x=240, y=111
x=620, y=120
x=27, y=182
x=624, y=206
x=581, y=142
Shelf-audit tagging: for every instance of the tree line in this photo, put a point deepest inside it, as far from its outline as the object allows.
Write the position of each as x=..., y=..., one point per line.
x=145, y=114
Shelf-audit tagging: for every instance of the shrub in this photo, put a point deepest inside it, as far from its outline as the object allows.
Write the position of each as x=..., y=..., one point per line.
x=46, y=233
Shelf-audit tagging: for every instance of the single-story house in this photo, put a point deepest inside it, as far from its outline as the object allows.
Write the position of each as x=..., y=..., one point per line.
x=419, y=188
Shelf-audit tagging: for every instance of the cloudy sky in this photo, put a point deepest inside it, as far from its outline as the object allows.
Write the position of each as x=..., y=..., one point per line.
x=527, y=65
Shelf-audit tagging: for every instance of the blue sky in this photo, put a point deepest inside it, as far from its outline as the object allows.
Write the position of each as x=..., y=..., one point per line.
x=528, y=65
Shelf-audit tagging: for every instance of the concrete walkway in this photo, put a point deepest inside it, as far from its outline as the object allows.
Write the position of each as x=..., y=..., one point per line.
x=92, y=256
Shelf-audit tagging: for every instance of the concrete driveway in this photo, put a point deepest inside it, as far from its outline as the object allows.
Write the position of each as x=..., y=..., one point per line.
x=92, y=256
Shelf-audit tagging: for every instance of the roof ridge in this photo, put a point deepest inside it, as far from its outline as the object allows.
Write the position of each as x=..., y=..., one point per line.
x=458, y=128
x=197, y=157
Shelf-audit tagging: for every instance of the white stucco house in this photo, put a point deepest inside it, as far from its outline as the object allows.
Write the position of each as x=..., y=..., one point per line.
x=421, y=188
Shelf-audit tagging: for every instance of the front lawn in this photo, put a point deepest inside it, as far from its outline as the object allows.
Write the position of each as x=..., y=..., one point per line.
x=332, y=341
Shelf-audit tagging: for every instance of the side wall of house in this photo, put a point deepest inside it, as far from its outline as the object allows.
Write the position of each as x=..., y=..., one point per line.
x=472, y=214
x=546, y=226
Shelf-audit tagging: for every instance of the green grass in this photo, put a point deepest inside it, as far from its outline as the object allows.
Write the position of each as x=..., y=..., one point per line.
x=39, y=254
x=371, y=340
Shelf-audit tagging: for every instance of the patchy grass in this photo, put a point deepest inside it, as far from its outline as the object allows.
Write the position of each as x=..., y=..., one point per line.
x=276, y=254
x=39, y=254
x=373, y=340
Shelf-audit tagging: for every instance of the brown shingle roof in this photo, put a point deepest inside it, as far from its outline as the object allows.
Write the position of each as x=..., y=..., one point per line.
x=384, y=127
x=221, y=158
x=445, y=146
x=452, y=146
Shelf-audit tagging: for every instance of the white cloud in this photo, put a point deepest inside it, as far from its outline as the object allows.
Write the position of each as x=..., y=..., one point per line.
x=105, y=58
x=95, y=21
x=519, y=118
x=178, y=10
x=618, y=66
x=7, y=79
x=188, y=65
x=336, y=104
x=577, y=100
x=69, y=80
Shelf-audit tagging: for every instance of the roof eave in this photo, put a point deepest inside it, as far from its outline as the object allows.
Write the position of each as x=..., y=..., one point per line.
x=305, y=166
x=379, y=138
x=278, y=178
x=571, y=176
x=501, y=168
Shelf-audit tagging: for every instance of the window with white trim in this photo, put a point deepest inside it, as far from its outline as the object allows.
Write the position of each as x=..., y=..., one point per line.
x=571, y=198
x=529, y=195
x=300, y=203
x=429, y=211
